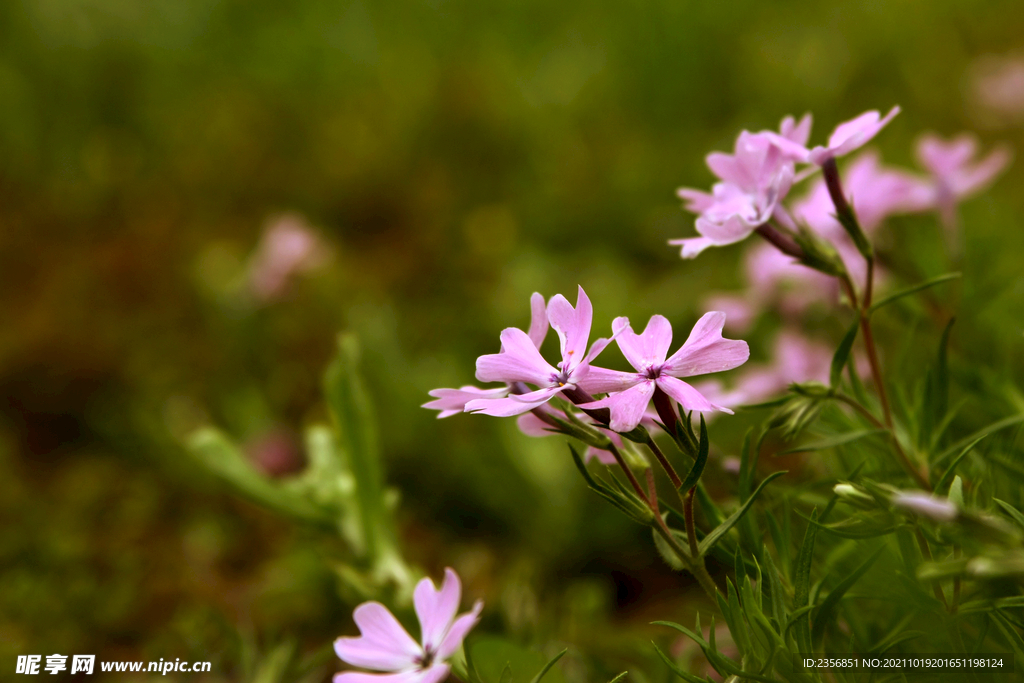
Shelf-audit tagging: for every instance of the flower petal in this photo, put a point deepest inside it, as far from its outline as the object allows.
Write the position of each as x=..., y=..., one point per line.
x=519, y=361
x=383, y=645
x=691, y=246
x=688, y=397
x=452, y=401
x=457, y=633
x=603, y=381
x=433, y=674
x=648, y=349
x=572, y=326
x=627, y=407
x=436, y=608
x=531, y=425
x=538, y=319
x=513, y=405
x=706, y=350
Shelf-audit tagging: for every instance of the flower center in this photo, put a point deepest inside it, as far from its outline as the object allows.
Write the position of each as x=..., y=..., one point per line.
x=427, y=659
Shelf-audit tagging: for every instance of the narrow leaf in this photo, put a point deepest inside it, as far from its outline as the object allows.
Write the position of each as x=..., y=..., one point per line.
x=912, y=290
x=831, y=601
x=698, y=464
x=983, y=432
x=689, y=678
x=723, y=528
x=842, y=354
x=802, y=582
x=1010, y=510
x=547, y=667
x=948, y=474
x=834, y=441
x=506, y=674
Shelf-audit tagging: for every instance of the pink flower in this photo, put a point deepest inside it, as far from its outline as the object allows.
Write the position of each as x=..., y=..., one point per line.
x=875, y=192
x=386, y=647
x=520, y=361
x=847, y=136
x=955, y=172
x=703, y=352
x=755, y=178
x=288, y=247
x=453, y=401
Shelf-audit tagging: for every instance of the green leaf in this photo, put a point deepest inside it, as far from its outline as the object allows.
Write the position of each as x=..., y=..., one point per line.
x=774, y=584
x=492, y=655
x=693, y=476
x=956, y=492
x=715, y=534
x=912, y=290
x=355, y=422
x=981, y=433
x=218, y=454
x=842, y=354
x=1010, y=510
x=838, y=440
x=831, y=601
x=858, y=526
x=688, y=677
x=627, y=503
x=802, y=582
x=547, y=667
x=506, y=674
x=948, y=474
x=621, y=676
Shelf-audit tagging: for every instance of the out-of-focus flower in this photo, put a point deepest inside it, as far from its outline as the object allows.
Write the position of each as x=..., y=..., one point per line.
x=384, y=646
x=755, y=178
x=847, y=136
x=954, y=170
x=276, y=453
x=926, y=505
x=453, y=401
x=795, y=359
x=875, y=192
x=288, y=247
x=520, y=361
x=705, y=351
x=997, y=87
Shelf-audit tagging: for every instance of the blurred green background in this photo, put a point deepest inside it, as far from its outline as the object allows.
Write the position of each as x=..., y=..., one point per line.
x=455, y=157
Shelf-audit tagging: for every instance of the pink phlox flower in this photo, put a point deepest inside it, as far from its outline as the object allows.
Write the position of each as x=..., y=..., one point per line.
x=875, y=192
x=453, y=401
x=532, y=425
x=384, y=646
x=705, y=351
x=740, y=310
x=288, y=247
x=851, y=135
x=520, y=360
x=955, y=172
x=754, y=180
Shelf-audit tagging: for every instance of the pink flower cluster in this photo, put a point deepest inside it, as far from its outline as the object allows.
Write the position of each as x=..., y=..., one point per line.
x=756, y=178
x=520, y=364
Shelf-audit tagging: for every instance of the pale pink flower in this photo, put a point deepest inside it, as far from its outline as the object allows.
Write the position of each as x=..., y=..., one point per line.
x=385, y=647
x=288, y=247
x=847, y=136
x=997, y=85
x=520, y=361
x=453, y=401
x=874, y=191
x=954, y=170
x=925, y=505
x=754, y=179
x=705, y=351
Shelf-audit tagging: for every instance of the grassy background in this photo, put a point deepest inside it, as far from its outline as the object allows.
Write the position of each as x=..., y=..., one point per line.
x=458, y=157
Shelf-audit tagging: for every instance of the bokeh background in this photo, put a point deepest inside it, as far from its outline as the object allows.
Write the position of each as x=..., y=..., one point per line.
x=451, y=158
